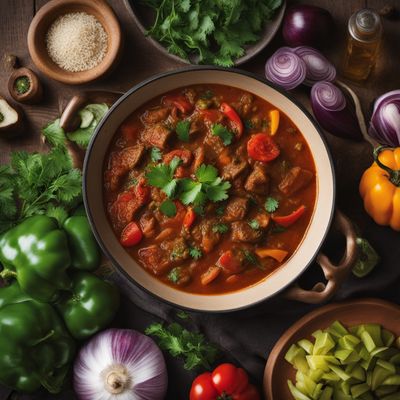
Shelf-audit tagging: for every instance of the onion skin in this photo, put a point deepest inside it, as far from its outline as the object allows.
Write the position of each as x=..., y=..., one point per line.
x=334, y=112
x=385, y=120
x=113, y=352
x=307, y=25
x=285, y=68
x=318, y=67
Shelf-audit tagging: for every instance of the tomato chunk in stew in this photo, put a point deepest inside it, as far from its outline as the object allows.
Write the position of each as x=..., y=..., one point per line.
x=212, y=189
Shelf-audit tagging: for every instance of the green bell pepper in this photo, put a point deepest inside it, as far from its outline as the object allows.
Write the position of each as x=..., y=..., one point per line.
x=35, y=348
x=36, y=253
x=91, y=305
x=84, y=249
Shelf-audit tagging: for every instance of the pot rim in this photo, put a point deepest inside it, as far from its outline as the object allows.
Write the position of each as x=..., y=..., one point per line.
x=188, y=69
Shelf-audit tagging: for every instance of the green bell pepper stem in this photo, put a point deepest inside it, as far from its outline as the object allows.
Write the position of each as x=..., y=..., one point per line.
x=37, y=251
x=7, y=274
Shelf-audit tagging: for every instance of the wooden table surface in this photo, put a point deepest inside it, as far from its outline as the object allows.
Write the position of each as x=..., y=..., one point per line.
x=140, y=61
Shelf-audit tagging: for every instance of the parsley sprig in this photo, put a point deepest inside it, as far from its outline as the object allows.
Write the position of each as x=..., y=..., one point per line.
x=162, y=176
x=179, y=342
x=271, y=204
x=223, y=133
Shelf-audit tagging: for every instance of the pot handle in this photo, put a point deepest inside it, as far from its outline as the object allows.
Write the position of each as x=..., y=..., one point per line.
x=335, y=274
x=70, y=120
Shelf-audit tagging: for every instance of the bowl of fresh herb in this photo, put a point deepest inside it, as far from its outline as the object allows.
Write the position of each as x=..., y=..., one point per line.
x=206, y=31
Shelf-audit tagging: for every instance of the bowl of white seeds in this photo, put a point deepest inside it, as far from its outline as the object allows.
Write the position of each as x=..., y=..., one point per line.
x=75, y=41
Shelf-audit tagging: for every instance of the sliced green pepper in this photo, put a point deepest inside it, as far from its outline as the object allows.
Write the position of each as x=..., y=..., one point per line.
x=35, y=347
x=36, y=253
x=90, y=306
x=84, y=249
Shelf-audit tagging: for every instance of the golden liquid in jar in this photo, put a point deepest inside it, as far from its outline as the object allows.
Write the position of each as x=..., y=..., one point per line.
x=360, y=59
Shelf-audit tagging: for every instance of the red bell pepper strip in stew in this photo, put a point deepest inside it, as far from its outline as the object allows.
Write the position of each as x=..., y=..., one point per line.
x=131, y=235
x=290, y=219
x=226, y=382
x=142, y=191
x=189, y=218
x=179, y=101
x=261, y=147
x=229, y=262
x=233, y=117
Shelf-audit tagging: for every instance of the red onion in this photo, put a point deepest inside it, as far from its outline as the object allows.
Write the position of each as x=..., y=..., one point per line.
x=318, y=67
x=334, y=112
x=385, y=120
x=120, y=364
x=306, y=25
x=285, y=68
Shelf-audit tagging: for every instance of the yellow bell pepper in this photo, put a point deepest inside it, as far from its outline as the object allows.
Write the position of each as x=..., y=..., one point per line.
x=380, y=187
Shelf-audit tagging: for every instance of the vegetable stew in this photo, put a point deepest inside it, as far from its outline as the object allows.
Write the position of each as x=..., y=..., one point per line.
x=210, y=188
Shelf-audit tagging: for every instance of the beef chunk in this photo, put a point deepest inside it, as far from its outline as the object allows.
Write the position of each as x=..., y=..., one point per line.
x=297, y=178
x=199, y=156
x=215, y=143
x=237, y=165
x=156, y=135
x=177, y=249
x=236, y=209
x=148, y=224
x=121, y=162
x=155, y=259
x=124, y=208
x=205, y=236
x=263, y=219
x=180, y=275
x=243, y=232
x=258, y=181
x=155, y=115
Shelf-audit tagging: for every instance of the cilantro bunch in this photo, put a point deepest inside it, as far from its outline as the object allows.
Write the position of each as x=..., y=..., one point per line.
x=215, y=31
x=36, y=183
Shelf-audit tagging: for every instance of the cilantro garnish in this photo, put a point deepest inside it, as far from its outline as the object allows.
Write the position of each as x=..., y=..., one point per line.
x=271, y=205
x=254, y=224
x=220, y=228
x=277, y=228
x=182, y=130
x=220, y=210
x=162, y=176
x=248, y=123
x=252, y=259
x=174, y=275
x=168, y=208
x=179, y=342
x=155, y=154
x=195, y=252
x=223, y=133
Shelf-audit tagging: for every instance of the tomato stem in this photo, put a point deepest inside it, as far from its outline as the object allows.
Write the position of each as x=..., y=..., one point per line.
x=394, y=174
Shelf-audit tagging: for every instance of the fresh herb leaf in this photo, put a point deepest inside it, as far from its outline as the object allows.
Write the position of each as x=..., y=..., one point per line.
x=168, y=208
x=195, y=252
x=206, y=173
x=220, y=228
x=218, y=191
x=271, y=205
x=199, y=210
x=54, y=134
x=182, y=130
x=220, y=210
x=174, y=275
x=182, y=315
x=191, y=192
x=162, y=176
x=252, y=259
x=254, y=224
x=223, y=133
x=155, y=154
x=59, y=213
x=179, y=342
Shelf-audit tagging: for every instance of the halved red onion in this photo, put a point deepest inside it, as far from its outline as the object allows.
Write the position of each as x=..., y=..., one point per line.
x=334, y=112
x=385, y=120
x=318, y=68
x=285, y=68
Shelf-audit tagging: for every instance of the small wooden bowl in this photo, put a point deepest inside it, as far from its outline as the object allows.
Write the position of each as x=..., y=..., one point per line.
x=34, y=93
x=56, y=8
x=278, y=371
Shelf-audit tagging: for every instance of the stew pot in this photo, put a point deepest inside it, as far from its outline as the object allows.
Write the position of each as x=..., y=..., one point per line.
x=308, y=250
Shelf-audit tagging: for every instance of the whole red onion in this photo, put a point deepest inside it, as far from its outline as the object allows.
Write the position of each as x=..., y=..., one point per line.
x=306, y=25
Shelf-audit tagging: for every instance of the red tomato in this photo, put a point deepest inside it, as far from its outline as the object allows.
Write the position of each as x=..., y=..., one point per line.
x=203, y=389
x=233, y=117
x=225, y=382
x=179, y=101
x=229, y=262
x=290, y=219
x=131, y=235
x=190, y=216
x=261, y=147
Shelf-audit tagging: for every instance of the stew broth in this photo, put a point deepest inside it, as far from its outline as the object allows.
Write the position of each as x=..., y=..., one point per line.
x=217, y=246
